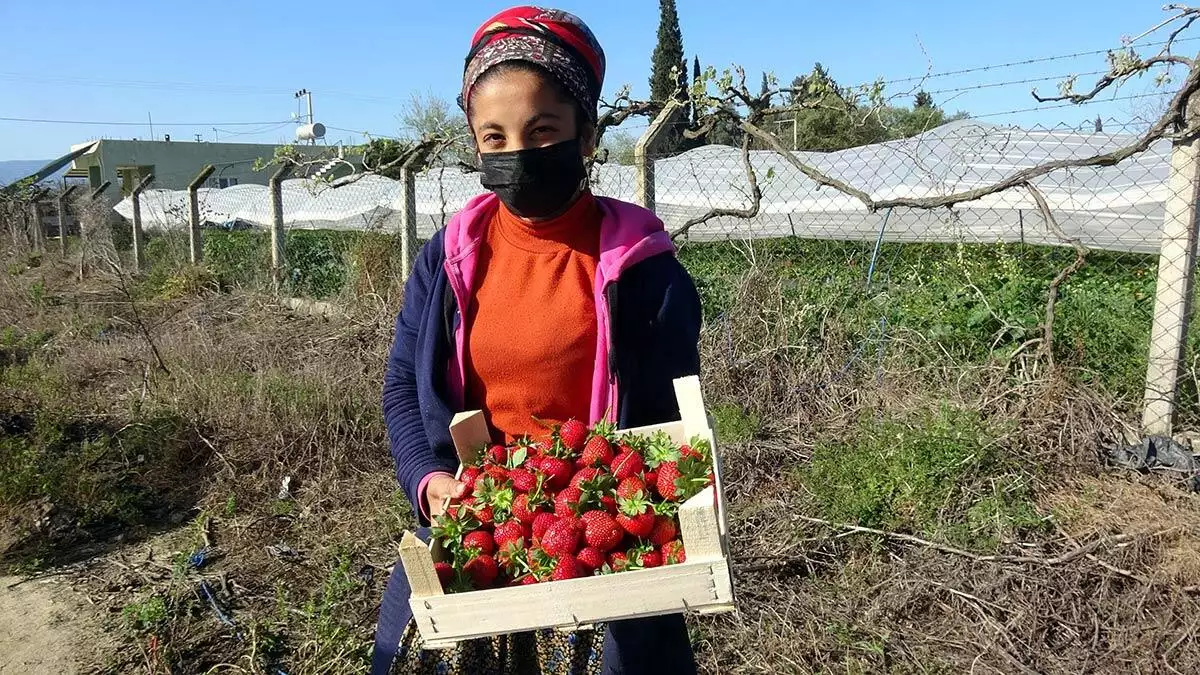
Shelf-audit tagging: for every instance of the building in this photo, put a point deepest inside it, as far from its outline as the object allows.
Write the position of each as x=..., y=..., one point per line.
x=174, y=164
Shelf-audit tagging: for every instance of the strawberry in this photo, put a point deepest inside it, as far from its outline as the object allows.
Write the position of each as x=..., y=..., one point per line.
x=497, y=454
x=590, y=559
x=497, y=473
x=618, y=561
x=660, y=448
x=566, y=503
x=584, y=474
x=541, y=523
x=597, y=452
x=665, y=482
x=650, y=559
x=486, y=514
x=468, y=477
x=628, y=463
x=508, y=531
x=526, y=508
x=631, y=487
x=445, y=572
x=635, y=516
x=573, y=434
x=609, y=504
x=562, y=538
x=566, y=568
x=558, y=470
x=480, y=541
x=482, y=570
x=527, y=580
x=663, y=532
x=601, y=531
x=651, y=477
x=673, y=553
x=523, y=480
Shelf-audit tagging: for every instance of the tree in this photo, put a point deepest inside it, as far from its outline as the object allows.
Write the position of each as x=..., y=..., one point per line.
x=619, y=147
x=668, y=53
x=766, y=85
x=923, y=100
x=430, y=115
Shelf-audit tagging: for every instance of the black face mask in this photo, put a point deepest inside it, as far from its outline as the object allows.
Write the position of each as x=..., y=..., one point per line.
x=537, y=182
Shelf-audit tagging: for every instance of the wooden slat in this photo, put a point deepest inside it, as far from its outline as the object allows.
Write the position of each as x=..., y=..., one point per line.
x=577, y=602
x=418, y=565
x=691, y=405
x=700, y=528
x=470, y=433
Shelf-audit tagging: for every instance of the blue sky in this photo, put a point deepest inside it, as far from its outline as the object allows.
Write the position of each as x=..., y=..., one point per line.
x=219, y=64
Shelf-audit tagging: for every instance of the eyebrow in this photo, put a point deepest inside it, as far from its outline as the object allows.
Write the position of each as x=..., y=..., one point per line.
x=494, y=126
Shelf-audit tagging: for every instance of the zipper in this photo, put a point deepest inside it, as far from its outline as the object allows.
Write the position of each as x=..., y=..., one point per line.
x=614, y=403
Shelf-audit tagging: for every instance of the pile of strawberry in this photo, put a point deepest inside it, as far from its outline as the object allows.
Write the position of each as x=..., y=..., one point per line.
x=575, y=503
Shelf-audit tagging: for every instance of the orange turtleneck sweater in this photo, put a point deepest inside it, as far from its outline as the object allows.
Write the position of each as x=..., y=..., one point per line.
x=531, y=327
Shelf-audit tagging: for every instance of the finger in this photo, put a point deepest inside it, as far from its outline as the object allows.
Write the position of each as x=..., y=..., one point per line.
x=459, y=490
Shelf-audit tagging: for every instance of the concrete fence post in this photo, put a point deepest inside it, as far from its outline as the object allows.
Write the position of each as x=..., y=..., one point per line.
x=278, y=252
x=195, y=245
x=35, y=231
x=84, y=243
x=408, y=216
x=1173, y=294
x=139, y=238
x=62, y=218
x=644, y=151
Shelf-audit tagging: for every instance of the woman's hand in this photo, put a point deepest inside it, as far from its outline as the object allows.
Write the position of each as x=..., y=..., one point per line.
x=438, y=490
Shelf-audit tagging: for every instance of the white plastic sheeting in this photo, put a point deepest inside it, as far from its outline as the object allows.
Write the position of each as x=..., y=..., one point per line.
x=1118, y=207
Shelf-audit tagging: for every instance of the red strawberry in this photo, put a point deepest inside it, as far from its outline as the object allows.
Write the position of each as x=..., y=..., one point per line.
x=631, y=487
x=609, y=503
x=668, y=472
x=590, y=558
x=566, y=503
x=523, y=511
x=445, y=572
x=601, y=531
x=541, y=523
x=573, y=434
x=618, y=561
x=651, y=477
x=585, y=474
x=636, y=517
x=527, y=580
x=597, y=452
x=566, y=568
x=673, y=553
x=562, y=538
x=523, y=480
x=483, y=571
x=663, y=532
x=558, y=472
x=485, y=514
x=468, y=477
x=508, y=531
x=628, y=463
x=480, y=540
x=497, y=454
x=651, y=559
x=498, y=473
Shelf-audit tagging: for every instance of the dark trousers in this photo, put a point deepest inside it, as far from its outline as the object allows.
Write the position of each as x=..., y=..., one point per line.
x=651, y=646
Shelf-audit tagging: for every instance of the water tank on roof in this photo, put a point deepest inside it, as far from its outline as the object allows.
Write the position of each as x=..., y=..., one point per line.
x=310, y=132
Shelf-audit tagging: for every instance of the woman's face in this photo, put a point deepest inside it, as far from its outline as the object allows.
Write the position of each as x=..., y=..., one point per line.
x=519, y=110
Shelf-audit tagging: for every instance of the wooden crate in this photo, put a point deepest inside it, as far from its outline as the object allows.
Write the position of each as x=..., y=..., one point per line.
x=702, y=584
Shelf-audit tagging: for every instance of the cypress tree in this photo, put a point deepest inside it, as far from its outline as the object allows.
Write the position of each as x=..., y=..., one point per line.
x=668, y=53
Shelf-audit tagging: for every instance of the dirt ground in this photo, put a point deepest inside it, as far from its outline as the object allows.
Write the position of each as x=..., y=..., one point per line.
x=44, y=628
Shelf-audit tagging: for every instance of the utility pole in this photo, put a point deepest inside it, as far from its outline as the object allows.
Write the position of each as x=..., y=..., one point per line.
x=307, y=95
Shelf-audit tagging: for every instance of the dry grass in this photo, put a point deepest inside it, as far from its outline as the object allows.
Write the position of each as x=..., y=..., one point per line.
x=269, y=394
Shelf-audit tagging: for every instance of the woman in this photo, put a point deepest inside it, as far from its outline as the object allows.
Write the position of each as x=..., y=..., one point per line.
x=537, y=300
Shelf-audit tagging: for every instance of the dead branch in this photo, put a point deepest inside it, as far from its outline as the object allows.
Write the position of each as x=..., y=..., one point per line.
x=718, y=212
x=1062, y=559
x=1081, y=253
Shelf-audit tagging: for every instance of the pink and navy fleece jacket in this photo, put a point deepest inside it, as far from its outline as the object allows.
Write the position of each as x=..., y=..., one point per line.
x=648, y=330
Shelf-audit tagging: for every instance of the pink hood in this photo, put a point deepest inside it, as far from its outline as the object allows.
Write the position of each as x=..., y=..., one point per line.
x=629, y=234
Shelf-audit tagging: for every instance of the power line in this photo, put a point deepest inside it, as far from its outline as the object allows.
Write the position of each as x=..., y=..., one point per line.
x=1026, y=62
x=142, y=123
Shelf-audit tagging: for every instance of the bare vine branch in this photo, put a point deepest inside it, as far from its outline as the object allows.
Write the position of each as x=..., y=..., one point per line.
x=718, y=212
x=1081, y=253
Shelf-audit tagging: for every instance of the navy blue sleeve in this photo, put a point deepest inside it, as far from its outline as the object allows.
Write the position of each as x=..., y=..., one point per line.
x=411, y=449
x=657, y=339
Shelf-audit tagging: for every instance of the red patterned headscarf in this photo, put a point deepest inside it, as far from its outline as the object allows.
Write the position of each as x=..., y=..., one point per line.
x=558, y=41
